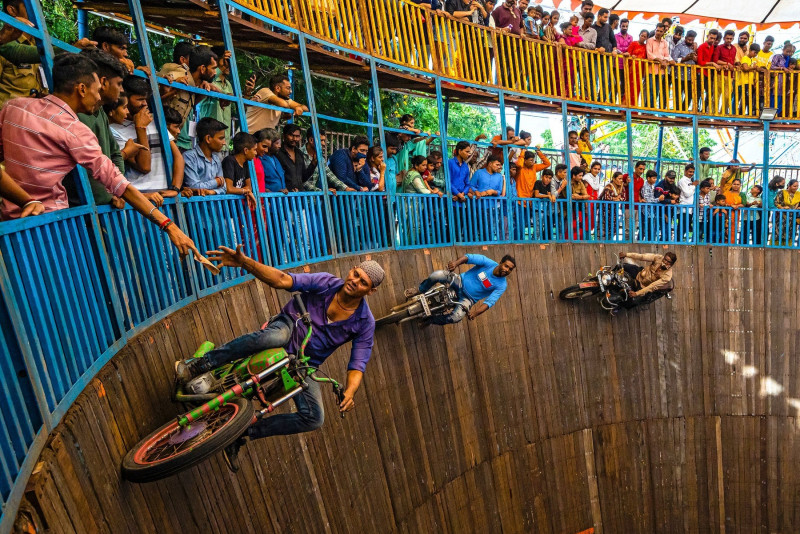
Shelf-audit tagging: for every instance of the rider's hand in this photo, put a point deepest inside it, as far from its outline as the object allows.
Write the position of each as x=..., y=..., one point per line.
x=451, y=266
x=471, y=316
x=228, y=257
x=347, y=403
x=631, y=293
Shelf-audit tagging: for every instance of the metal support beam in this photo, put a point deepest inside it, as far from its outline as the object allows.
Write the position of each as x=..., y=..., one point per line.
x=501, y=98
x=764, y=185
x=696, y=160
x=517, y=120
x=736, y=143
x=391, y=189
x=312, y=109
x=631, y=200
x=565, y=130
x=660, y=149
x=442, y=113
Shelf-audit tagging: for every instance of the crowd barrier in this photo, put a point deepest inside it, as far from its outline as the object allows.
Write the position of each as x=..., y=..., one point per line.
x=408, y=35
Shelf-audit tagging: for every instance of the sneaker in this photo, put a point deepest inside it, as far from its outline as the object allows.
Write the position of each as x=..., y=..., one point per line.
x=231, y=454
x=413, y=292
x=185, y=370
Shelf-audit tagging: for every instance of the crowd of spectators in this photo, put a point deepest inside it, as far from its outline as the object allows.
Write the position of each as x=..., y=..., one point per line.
x=208, y=158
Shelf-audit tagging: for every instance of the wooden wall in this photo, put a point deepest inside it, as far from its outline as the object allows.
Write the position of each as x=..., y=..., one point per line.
x=541, y=416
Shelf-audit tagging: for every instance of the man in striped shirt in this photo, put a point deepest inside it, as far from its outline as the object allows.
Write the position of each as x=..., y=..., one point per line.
x=41, y=140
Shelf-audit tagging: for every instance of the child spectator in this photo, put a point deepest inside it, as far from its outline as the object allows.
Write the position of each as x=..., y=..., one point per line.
x=203, y=170
x=585, y=146
x=543, y=25
x=575, y=152
x=704, y=205
x=413, y=182
x=572, y=33
x=746, y=81
x=377, y=168
x=235, y=169
x=530, y=22
x=262, y=149
x=719, y=221
x=174, y=120
x=430, y=175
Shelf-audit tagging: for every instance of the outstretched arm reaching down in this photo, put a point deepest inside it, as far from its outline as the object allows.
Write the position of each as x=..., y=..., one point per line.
x=271, y=276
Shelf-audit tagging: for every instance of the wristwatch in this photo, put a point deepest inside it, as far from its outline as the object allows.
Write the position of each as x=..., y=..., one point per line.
x=175, y=188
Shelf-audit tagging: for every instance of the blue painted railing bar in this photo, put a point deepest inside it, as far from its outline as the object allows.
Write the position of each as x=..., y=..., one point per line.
x=360, y=221
x=479, y=221
x=422, y=220
x=296, y=228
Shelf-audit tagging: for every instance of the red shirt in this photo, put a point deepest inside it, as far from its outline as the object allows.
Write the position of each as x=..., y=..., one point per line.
x=638, y=182
x=507, y=18
x=41, y=140
x=725, y=54
x=705, y=53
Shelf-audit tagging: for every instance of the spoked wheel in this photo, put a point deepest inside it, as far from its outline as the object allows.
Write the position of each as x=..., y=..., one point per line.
x=577, y=292
x=400, y=315
x=171, y=449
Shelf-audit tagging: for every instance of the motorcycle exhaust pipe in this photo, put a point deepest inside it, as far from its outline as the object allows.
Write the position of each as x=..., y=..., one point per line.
x=278, y=402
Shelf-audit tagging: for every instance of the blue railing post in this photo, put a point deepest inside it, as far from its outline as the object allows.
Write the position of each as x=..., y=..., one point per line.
x=391, y=189
x=631, y=185
x=565, y=128
x=312, y=108
x=442, y=114
x=501, y=100
x=696, y=161
x=736, y=143
x=765, y=191
x=660, y=149
x=227, y=40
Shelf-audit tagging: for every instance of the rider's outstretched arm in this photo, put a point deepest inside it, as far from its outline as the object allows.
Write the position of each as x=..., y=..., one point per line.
x=477, y=310
x=453, y=265
x=236, y=258
x=353, y=383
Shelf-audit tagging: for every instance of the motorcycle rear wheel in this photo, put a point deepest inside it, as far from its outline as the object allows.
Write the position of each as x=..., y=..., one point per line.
x=164, y=452
x=576, y=292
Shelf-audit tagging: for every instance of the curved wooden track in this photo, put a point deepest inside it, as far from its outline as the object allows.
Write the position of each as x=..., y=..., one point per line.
x=541, y=416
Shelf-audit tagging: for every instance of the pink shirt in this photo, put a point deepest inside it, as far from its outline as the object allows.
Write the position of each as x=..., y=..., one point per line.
x=623, y=42
x=657, y=50
x=41, y=140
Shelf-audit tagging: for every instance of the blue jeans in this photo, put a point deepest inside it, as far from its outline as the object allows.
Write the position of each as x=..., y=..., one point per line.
x=309, y=415
x=453, y=281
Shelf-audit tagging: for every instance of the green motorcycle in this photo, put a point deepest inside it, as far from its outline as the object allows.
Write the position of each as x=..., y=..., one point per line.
x=222, y=407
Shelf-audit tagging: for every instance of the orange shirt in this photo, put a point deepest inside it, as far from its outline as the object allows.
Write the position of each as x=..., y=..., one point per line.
x=527, y=177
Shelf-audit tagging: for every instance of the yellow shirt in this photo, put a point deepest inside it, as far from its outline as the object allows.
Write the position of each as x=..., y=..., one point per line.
x=584, y=146
x=763, y=59
x=18, y=80
x=746, y=78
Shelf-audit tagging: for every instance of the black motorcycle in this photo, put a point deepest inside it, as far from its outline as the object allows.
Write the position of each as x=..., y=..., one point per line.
x=612, y=284
x=438, y=300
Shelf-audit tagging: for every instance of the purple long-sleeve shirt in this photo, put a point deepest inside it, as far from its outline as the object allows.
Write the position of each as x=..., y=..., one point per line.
x=318, y=290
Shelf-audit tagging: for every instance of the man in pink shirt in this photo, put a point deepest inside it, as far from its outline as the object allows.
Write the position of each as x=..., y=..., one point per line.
x=624, y=40
x=658, y=51
x=41, y=140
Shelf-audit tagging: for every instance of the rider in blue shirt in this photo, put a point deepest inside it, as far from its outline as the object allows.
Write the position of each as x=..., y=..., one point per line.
x=485, y=281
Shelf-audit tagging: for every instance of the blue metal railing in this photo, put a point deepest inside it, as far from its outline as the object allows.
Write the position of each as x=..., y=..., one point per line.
x=422, y=220
x=296, y=228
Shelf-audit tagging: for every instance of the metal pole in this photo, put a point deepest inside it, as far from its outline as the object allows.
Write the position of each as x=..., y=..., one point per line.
x=517, y=120
x=442, y=108
x=501, y=98
x=83, y=23
x=736, y=143
x=391, y=189
x=764, y=184
x=660, y=149
x=227, y=40
x=371, y=112
x=312, y=108
x=565, y=128
x=631, y=199
x=696, y=160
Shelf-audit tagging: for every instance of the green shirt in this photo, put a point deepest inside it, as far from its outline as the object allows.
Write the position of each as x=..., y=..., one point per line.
x=211, y=107
x=20, y=53
x=18, y=77
x=408, y=151
x=98, y=124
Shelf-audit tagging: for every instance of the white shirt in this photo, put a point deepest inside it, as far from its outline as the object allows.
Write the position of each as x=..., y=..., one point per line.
x=687, y=190
x=156, y=179
x=595, y=181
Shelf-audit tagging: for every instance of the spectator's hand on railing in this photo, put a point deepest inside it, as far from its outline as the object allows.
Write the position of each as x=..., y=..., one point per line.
x=349, y=190
x=187, y=193
x=117, y=203
x=144, y=69
x=155, y=198
x=84, y=43
x=332, y=190
x=31, y=209
x=251, y=200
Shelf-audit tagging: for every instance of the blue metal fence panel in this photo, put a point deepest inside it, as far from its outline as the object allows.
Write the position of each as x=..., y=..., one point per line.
x=361, y=222
x=67, y=313
x=540, y=221
x=422, y=220
x=295, y=228
x=481, y=220
x=215, y=221
x=600, y=221
x=147, y=272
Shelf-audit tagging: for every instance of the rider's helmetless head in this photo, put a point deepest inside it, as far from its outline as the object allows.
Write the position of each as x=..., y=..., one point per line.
x=363, y=279
x=506, y=266
x=668, y=260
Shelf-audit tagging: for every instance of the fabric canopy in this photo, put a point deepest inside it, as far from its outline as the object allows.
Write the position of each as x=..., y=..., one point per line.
x=766, y=13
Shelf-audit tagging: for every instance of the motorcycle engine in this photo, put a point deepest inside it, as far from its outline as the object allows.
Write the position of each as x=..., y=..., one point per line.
x=201, y=384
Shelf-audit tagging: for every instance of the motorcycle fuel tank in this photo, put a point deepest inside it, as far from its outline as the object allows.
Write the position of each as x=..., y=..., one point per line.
x=260, y=361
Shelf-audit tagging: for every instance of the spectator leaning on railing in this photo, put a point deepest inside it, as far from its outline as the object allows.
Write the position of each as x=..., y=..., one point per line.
x=309, y=148
x=294, y=166
x=279, y=93
x=51, y=128
x=236, y=167
x=342, y=164
x=203, y=171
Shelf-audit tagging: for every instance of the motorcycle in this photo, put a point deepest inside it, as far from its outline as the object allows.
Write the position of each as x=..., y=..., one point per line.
x=222, y=409
x=612, y=283
x=438, y=300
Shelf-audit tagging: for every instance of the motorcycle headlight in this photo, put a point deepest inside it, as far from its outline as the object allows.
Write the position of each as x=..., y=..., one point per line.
x=605, y=278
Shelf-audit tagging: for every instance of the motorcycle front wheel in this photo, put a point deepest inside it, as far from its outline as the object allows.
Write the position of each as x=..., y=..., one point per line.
x=400, y=315
x=577, y=292
x=171, y=448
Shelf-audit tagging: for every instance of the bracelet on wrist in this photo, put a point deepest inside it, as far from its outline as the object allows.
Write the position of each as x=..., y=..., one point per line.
x=164, y=224
x=31, y=202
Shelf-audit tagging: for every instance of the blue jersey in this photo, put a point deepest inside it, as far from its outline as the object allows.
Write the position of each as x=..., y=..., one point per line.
x=480, y=282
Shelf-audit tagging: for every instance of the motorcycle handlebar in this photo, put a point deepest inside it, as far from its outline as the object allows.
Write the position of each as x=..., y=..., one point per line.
x=301, y=307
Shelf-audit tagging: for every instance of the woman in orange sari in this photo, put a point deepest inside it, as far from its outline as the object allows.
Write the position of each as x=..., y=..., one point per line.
x=634, y=70
x=734, y=200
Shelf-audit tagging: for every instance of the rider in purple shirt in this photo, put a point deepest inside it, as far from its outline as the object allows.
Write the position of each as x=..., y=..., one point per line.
x=339, y=313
